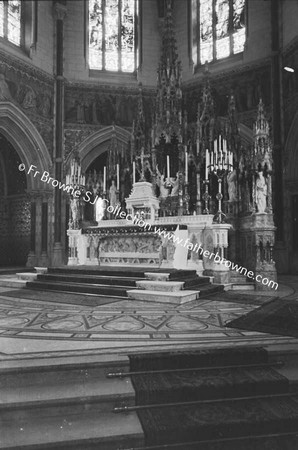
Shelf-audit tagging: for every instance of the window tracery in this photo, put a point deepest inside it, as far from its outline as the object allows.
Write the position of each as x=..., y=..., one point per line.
x=221, y=28
x=112, y=35
x=10, y=20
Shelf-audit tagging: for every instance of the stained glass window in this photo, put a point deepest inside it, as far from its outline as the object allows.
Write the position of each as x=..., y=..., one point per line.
x=221, y=28
x=10, y=20
x=112, y=35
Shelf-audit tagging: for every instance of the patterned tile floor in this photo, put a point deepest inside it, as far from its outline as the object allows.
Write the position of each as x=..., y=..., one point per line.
x=31, y=328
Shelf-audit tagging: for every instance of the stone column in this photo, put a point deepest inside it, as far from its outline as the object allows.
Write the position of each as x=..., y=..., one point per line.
x=59, y=15
x=44, y=258
x=32, y=260
x=277, y=117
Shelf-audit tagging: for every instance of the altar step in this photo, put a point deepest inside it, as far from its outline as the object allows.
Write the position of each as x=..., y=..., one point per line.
x=82, y=288
x=171, y=286
x=129, y=272
x=90, y=279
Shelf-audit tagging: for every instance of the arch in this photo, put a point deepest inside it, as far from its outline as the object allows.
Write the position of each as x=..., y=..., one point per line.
x=27, y=141
x=291, y=152
x=97, y=143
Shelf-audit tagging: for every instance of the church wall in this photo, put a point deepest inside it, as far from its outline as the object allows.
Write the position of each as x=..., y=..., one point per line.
x=42, y=57
x=181, y=12
x=151, y=46
x=289, y=15
x=258, y=31
x=75, y=66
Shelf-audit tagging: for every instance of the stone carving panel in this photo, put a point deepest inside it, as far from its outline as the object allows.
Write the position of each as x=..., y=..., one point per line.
x=101, y=105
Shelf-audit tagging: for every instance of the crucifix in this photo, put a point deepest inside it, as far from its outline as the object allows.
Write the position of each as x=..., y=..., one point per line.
x=142, y=163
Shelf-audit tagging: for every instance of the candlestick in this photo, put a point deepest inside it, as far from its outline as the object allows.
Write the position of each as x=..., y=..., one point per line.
x=104, y=179
x=118, y=178
x=220, y=155
x=168, y=167
x=225, y=145
x=186, y=166
x=207, y=164
x=133, y=172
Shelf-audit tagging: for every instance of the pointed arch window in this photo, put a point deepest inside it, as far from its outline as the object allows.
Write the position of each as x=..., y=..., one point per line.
x=218, y=29
x=10, y=20
x=112, y=35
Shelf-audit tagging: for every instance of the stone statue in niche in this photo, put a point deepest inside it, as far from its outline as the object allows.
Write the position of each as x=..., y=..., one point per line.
x=175, y=185
x=113, y=194
x=4, y=89
x=45, y=106
x=164, y=192
x=261, y=192
x=29, y=100
x=80, y=112
x=163, y=253
x=99, y=209
x=75, y=212
x=232, y=187
x=94, y=113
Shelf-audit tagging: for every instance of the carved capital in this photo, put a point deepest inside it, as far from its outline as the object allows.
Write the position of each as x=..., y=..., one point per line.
x=59, y=11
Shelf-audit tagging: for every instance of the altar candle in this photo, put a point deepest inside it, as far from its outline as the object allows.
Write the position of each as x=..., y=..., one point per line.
x=207, y=164
x=221, y=149
x=186, y=166
x=215, y=147
x=104, y=178
x=118, y=178
x=133, y=172
x=168, y=167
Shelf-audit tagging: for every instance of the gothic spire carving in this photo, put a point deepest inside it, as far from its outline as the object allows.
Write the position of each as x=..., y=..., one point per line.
x=232, y=132
x=168, y=114
x=262, y=143
x=139, y=125
x=206, y=116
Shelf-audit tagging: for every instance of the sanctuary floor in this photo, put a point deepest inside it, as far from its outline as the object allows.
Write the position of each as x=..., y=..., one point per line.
x=32, y=328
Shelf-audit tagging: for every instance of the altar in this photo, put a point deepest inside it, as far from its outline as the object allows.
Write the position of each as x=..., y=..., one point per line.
x=146, y=240
x=116, y=243
x=184, y=187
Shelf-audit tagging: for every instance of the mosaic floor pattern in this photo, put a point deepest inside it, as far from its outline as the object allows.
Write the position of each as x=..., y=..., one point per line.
x=41, y=327
x=124, y=319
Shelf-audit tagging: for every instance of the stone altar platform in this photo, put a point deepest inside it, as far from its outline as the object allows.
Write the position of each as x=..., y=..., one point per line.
x=119, y=243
